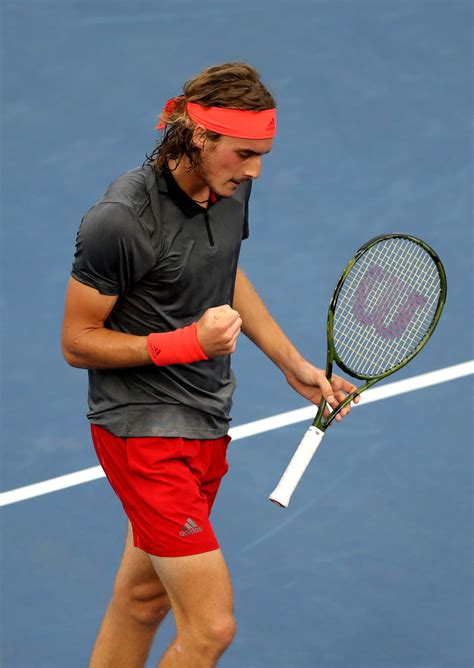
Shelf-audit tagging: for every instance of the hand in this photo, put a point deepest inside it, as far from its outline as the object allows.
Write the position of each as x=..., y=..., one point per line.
x=218, y=330
x=312, y=384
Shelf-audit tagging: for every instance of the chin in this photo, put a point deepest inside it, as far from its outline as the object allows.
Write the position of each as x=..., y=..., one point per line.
x=226, y=190
x=233, y=187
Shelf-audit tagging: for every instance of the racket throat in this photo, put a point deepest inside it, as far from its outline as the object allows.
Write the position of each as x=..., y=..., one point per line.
x=319, y=422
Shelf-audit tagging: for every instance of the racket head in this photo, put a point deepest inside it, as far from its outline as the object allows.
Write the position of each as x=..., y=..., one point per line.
x=385, y=306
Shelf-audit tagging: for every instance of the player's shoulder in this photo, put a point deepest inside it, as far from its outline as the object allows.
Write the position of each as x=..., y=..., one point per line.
x=123, y=206
x=130, y=189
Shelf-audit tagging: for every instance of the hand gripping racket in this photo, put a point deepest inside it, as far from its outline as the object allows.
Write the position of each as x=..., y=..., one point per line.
x=384, y=309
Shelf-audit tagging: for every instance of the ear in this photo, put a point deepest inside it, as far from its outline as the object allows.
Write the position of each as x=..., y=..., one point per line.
x=199, y=136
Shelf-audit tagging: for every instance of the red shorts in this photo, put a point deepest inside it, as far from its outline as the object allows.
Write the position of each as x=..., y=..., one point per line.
x=167, y=487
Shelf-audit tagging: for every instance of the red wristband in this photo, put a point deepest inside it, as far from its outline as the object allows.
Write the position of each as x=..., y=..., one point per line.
x=178, y=347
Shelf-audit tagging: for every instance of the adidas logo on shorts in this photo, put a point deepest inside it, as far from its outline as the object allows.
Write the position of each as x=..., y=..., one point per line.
x=189, y=528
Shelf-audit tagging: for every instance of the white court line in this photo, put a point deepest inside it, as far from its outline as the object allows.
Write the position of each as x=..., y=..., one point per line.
x=252, y=428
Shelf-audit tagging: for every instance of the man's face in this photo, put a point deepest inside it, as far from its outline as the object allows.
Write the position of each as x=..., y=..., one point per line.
x=231, y=161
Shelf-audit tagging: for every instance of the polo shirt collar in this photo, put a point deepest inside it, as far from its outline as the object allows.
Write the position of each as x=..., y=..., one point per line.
x=168, y=185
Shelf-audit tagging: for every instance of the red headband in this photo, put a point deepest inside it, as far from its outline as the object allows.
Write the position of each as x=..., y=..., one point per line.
x=231, y=122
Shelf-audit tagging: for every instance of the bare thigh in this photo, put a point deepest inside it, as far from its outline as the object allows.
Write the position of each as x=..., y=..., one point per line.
x=199, y=588
x=138, y=586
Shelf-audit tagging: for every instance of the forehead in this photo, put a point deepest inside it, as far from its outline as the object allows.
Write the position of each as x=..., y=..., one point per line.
x=259, y=146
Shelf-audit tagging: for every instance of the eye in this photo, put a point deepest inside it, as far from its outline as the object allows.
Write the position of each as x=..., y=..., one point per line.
x=243, y=154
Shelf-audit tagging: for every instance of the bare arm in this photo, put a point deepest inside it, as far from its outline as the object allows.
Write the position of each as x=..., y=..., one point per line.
x=261, y=328
x=86, y=343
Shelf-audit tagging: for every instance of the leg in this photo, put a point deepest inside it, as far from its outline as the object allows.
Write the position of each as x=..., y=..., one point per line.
x=200, y=592
x=138, y=604
x=166, y=486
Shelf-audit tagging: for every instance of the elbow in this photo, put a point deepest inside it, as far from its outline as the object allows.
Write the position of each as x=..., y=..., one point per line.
x=72, y=360
x=71, y=355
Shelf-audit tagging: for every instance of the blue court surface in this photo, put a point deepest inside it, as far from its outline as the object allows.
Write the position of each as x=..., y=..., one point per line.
x=371, y=565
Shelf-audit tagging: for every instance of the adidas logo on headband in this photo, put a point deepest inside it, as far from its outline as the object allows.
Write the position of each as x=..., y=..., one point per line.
x=270, y=126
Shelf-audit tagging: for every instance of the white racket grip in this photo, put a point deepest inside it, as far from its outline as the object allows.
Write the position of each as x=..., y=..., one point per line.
x=297, y=466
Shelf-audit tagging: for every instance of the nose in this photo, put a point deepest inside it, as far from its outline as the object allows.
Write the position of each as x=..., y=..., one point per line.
x=253, y=167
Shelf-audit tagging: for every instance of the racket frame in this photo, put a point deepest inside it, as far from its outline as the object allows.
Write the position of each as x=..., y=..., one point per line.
x=332, y=357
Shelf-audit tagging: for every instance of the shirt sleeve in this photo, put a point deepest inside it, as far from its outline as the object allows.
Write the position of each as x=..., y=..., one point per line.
x=245, y=231
x=113, y=250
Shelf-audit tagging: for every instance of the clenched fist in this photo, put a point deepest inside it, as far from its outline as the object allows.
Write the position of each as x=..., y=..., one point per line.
x=218, y=329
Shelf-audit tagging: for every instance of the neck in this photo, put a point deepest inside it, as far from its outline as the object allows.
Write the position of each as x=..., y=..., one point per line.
x=189, y=180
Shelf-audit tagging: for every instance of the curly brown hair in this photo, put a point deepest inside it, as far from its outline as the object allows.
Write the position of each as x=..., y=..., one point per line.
x=232, y=85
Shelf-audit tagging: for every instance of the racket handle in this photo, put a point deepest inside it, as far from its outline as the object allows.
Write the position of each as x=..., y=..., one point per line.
x=297, y=466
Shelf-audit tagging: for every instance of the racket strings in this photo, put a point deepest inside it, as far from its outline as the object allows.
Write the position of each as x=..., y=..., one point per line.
x=373, y=354
x=376, y=296
x=385, y=306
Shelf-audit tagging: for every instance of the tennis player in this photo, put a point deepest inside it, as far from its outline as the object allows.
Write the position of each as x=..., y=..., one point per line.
x=154, y=307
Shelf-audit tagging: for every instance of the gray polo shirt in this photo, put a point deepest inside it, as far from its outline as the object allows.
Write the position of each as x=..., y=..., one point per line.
x=168, y=260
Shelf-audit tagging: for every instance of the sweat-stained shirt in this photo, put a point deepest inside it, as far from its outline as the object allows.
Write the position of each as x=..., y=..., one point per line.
x=168, y=260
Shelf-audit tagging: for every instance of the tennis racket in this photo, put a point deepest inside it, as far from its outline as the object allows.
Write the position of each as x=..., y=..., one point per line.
x=384, y=309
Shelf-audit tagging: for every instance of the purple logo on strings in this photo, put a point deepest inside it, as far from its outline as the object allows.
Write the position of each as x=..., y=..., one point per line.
x=387, y=299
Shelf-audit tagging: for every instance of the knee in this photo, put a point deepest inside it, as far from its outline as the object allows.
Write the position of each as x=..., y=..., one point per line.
x=222, y=631
x=216, y=635
x=146, y=603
